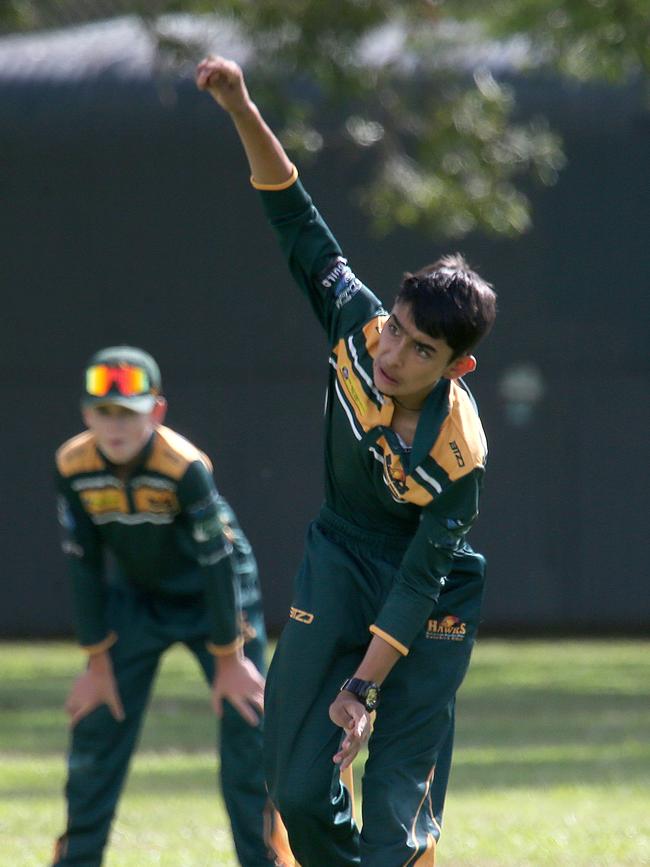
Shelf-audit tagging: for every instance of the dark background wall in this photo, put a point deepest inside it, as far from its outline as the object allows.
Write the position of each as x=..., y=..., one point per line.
x=125, y=218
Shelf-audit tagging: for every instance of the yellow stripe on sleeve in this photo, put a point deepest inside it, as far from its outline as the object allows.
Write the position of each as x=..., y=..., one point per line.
x=282, y=186
x=94, y=649
x=225, y=649
x=403, y=649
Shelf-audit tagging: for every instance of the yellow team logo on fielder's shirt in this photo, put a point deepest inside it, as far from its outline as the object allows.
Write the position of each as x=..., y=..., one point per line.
x=97, y=501
x=155, y=502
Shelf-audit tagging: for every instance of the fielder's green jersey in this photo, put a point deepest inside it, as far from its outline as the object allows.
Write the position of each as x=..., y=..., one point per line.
x=166, y=527
x=425, y=497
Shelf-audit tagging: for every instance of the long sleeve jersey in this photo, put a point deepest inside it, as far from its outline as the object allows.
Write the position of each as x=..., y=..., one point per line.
x=426, y=496
x=166, y=526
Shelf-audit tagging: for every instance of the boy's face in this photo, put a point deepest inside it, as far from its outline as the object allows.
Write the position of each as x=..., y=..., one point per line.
x=121, y=434
x=409, y=362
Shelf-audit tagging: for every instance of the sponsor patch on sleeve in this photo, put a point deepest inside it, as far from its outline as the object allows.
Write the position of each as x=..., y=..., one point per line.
x=340, y=280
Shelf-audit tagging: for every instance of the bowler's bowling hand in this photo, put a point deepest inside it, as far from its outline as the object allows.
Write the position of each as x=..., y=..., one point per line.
x=347, y=712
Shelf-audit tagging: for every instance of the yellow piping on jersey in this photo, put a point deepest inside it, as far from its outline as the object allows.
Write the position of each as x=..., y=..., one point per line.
x=225, y=649
x=403, y=649
x=101, y=646
x=284, y=185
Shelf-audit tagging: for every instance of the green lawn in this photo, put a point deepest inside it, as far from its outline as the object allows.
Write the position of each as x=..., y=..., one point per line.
x=552, y=762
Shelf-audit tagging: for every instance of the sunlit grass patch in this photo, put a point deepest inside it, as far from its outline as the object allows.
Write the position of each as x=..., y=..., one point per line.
x=551, y=769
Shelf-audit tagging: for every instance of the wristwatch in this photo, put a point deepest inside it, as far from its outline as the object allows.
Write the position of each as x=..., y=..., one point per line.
x=365, y=690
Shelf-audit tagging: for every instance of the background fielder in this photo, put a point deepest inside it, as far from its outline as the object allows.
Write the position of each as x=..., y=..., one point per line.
x=156, y=557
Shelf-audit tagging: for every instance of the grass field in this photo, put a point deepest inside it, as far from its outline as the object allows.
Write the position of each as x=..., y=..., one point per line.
x=552, y=761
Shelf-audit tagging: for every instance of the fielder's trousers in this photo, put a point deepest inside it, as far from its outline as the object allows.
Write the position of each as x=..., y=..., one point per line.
x=342, y=582
x=101, y=748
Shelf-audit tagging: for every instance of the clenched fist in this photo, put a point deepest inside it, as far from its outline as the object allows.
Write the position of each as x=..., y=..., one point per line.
x=224, y=81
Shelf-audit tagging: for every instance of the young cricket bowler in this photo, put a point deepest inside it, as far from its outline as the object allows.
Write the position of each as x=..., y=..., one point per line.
x=388, y=595
x=156, y=557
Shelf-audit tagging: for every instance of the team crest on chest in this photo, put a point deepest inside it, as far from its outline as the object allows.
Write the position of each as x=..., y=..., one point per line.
x=99, y=501
x=155, y=502
x=394, y=475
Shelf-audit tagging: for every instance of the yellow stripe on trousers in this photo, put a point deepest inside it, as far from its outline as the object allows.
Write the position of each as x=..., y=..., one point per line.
x=278, y=839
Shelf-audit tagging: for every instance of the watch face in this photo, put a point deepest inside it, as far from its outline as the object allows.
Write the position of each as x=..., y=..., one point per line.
x=372, y=698
x=366, y=691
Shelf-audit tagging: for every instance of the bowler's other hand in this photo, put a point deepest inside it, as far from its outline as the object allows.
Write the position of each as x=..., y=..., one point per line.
x=347, y=712
x=224, y=81
x=90, y=690
x=237, y=680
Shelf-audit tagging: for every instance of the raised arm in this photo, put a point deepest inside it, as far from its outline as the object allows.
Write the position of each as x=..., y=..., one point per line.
x=224, y=81
x=341, y=302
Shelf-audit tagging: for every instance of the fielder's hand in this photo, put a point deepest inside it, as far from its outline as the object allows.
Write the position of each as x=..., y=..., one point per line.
x=224, y=81
x=347, y=712
x=237, y=680
x=94, y=687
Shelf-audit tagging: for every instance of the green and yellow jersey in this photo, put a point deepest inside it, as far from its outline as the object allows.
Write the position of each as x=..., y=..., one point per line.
x=426, y=496
x=166, y=527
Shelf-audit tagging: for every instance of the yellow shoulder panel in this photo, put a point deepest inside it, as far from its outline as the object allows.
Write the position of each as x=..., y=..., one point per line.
x=79, y=455
x=461, y=446
x=172, y=454
x=372, y=330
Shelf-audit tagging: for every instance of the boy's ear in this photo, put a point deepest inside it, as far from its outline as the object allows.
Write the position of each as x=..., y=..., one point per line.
x=461, y=366
x=159, y=411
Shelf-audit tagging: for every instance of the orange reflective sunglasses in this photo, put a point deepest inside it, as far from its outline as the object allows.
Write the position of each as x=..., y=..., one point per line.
x=129, y=380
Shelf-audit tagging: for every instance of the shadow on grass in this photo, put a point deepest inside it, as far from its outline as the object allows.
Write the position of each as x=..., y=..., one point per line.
x=157, y=782
x=550, y=773
x=525, y=717
x=501, y=720
x=502, y=774
x=528, y=716
x=32, y=729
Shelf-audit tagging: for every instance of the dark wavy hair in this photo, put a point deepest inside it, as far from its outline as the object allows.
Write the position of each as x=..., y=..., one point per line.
x=449, y=300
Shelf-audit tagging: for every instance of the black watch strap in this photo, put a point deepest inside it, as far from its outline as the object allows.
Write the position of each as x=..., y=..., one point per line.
x=367, y=691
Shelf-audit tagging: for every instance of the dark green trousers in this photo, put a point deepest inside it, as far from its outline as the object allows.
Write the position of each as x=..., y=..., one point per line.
x=343, y=580
x=101, y=748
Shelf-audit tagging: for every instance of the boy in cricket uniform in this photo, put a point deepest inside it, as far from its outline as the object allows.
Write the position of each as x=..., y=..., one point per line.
x=387, y=598
x=156, y=557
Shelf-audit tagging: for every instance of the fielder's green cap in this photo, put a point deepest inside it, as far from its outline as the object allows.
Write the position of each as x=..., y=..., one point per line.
x=122, y=375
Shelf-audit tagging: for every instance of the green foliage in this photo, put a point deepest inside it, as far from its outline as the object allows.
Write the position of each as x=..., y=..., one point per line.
x=433, y=131
x=453, y=167
x=410, y=86
x=586, y=39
